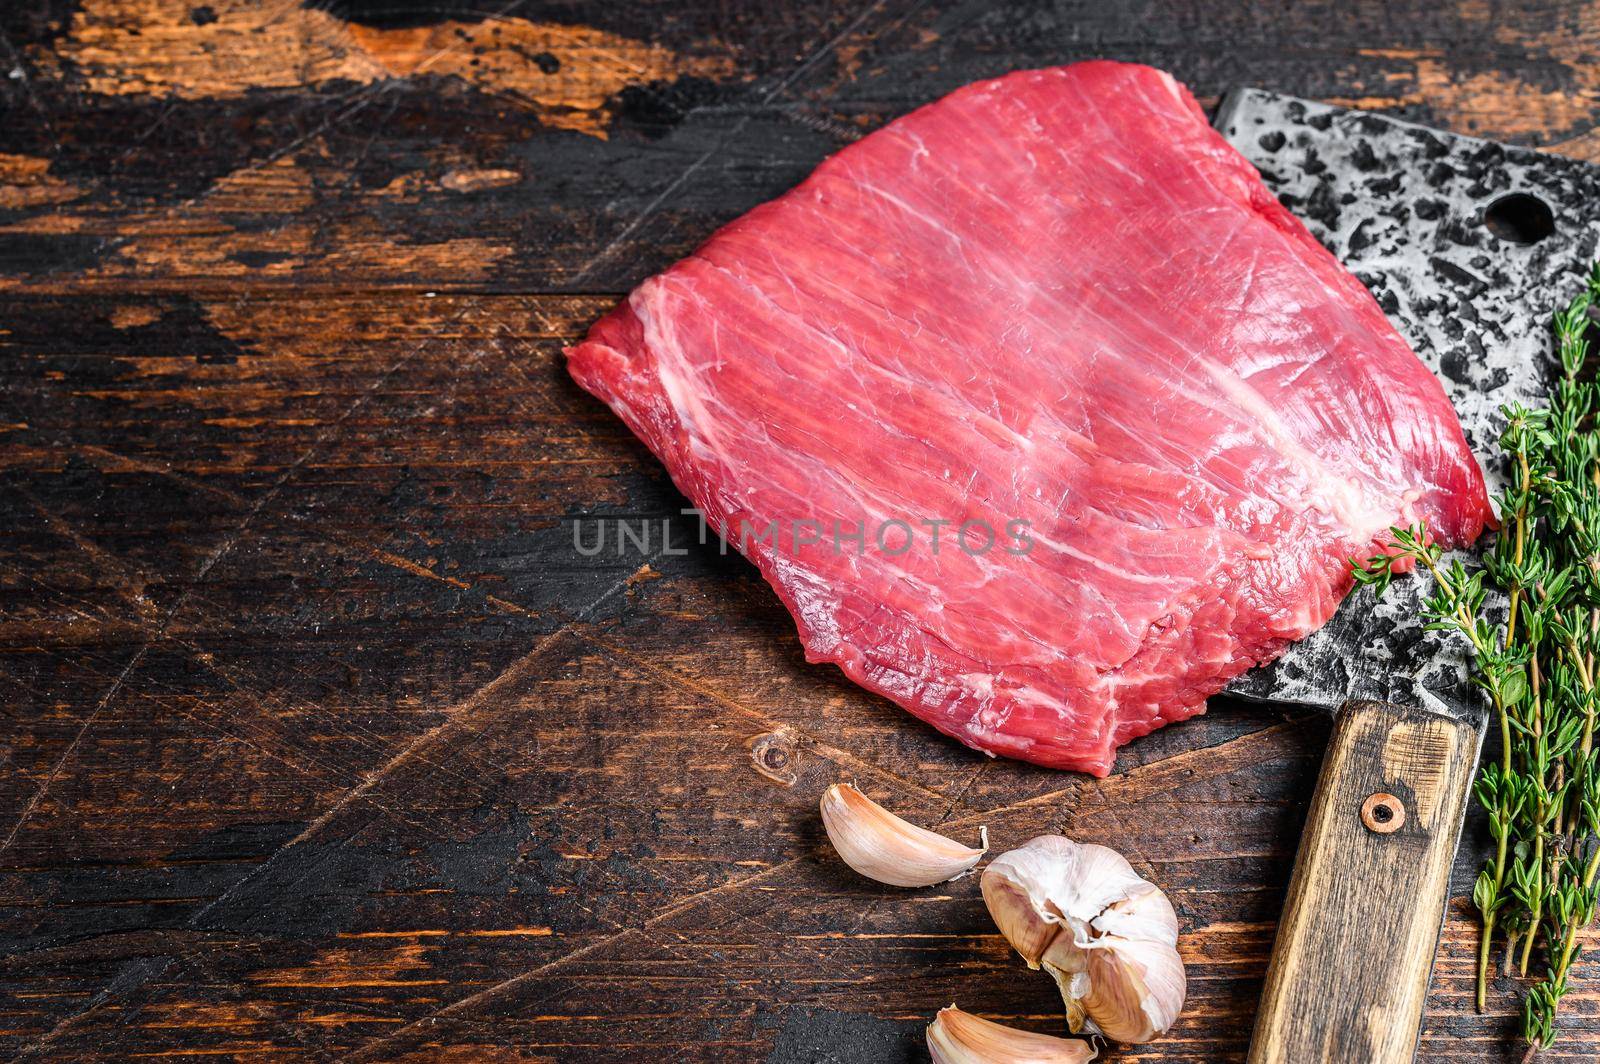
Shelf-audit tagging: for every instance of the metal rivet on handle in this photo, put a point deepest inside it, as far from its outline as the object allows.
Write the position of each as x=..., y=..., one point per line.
x=1383, y=813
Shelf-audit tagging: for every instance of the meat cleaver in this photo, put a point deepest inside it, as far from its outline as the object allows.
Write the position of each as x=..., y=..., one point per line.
x=1467, y=245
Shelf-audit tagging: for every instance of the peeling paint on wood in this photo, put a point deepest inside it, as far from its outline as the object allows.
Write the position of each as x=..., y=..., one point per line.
x=569, y=74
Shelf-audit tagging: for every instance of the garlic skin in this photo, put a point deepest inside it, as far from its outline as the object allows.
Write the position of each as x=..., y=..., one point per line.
x=1107, y=935
x=881, y=846
x=956, y=1037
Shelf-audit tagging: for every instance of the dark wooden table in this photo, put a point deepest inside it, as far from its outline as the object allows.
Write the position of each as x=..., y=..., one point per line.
x=320, y=739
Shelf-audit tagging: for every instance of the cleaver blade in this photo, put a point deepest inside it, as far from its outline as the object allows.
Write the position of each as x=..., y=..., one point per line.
x=1467, y=245
x=1434, y=225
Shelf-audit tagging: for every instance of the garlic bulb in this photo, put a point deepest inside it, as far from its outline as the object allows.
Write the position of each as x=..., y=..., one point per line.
x=956, y=1037
x=883, y=847
x=1108, y=936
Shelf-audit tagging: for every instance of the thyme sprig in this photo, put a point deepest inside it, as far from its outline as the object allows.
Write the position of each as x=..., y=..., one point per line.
x=1533, y=654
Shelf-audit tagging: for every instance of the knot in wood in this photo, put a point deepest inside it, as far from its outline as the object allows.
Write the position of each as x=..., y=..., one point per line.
x=773, y=755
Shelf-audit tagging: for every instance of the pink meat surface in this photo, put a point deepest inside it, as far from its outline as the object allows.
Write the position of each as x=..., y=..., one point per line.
x=1059, y=298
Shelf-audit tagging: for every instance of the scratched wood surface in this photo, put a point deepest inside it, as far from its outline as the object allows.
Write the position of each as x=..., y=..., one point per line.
x=320, y=739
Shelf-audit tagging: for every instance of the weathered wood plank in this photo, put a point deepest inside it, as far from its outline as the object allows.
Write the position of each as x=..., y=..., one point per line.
x=376, y=743
x=279, y=145
x=323, y=740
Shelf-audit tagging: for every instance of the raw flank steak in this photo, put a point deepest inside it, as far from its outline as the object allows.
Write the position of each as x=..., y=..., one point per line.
x=1059, y=307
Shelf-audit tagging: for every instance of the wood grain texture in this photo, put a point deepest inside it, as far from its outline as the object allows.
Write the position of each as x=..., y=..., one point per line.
x=1349, y=973
x=321, y=741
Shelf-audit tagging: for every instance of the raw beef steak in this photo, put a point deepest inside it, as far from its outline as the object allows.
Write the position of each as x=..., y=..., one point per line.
x=1059, y=307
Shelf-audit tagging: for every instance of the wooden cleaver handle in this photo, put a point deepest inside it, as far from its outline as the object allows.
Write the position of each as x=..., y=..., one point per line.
x=1349, y=972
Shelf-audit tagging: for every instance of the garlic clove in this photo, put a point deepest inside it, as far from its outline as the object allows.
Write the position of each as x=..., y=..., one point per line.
x=1131, y=992
x=1148, y=916
x=881, y=846
x=1063, y=882
x=1128, y=990
x=956, y=1037
x=1048, y=882
x=1107, y=935
x=1012, y=909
